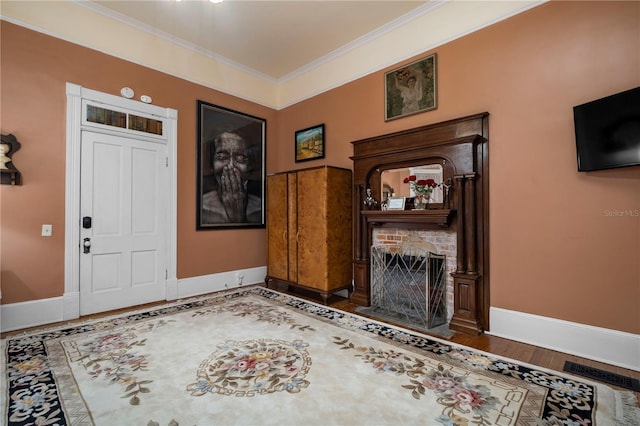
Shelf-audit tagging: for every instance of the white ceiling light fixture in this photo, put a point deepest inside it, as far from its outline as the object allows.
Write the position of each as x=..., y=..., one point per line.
x=216, y=1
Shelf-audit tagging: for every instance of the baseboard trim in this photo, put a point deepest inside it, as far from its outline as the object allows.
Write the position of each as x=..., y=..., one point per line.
x=196, y=286
x=71, y=305
x=34, y=313
x=599, y=344
x=172, y=289
x=16, y=316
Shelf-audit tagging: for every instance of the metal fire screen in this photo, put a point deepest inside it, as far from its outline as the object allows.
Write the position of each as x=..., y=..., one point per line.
x=409, y=283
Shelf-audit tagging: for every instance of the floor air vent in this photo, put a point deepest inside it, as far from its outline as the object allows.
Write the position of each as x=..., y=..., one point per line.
x=603, y=376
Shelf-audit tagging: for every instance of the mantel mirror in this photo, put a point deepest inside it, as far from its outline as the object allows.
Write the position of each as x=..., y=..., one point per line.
x=392, y=181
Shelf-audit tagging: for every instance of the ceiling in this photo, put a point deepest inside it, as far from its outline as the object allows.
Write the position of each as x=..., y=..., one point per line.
x=274, y=39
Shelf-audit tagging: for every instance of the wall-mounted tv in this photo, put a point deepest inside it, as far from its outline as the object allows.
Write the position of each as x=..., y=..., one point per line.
x=608, y=131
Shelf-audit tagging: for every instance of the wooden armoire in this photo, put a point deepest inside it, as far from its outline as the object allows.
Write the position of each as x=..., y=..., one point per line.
x=309, y=230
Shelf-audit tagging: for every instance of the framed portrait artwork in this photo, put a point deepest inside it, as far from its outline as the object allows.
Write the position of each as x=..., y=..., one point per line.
x=309, y=143
x=410, y=89
x=230, y=169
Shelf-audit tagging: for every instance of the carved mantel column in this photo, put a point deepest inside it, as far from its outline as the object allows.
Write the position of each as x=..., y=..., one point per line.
x=466, y=295
x=459, y=189
x=470, y=223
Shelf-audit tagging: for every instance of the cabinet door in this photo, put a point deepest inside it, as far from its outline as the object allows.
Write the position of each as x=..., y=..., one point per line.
x=340, y=227
x=292, y=225
x=277, y=217
x=312, y=228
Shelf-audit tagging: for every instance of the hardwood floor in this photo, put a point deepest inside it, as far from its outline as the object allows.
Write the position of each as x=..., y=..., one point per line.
x=530, y=354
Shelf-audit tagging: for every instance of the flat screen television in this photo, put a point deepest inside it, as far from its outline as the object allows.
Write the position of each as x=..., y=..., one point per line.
x=608, y=131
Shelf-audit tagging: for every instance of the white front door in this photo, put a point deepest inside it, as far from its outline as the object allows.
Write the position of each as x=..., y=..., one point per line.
x=123, y=220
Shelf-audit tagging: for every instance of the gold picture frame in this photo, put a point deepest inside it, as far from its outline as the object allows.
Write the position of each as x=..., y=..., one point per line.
x=410, y=89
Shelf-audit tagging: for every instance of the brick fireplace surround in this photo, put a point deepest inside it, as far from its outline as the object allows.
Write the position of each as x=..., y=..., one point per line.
x=460, y=146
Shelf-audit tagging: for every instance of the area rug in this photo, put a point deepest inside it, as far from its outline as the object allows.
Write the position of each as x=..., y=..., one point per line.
x=258, y=357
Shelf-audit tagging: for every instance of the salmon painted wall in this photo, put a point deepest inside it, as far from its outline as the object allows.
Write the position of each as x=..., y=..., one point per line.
x=35, y=69
x=557, y=248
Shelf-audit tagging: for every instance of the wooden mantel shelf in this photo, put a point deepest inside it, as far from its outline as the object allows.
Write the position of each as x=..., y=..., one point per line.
x=409, y=218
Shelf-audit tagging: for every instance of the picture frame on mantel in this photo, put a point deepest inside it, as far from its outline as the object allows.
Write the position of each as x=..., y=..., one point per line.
x=411, y=89
x=309, y=143
x=396, y=203
x=231, y=169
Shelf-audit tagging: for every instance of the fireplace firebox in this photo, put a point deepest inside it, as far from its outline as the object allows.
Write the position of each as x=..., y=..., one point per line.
x=408, y=284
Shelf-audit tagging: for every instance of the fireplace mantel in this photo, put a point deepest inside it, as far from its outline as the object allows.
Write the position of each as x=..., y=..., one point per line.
x=460, y=146
x=410, y=219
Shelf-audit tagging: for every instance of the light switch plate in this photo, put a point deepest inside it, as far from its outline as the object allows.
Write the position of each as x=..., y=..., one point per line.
x=47, y=230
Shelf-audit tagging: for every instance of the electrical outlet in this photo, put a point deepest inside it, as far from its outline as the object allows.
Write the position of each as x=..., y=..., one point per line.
x=47, y=230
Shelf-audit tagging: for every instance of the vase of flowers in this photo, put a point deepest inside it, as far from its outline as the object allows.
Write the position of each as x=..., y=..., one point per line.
x=422, y=188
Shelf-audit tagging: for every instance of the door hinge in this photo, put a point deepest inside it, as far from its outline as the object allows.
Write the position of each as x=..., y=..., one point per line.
x=166, y=161
x=166, y=274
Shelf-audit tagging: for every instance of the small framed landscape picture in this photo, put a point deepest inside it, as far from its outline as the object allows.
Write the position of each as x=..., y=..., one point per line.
x=309, y=143
x=410, y=89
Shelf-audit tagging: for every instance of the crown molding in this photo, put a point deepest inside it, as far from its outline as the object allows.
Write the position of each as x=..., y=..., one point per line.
x=365, y=55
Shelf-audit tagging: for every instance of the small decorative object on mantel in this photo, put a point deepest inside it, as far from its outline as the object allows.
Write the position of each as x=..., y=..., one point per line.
x=370, y=203
x=9, y=174
x=446, y=186
x=396, y=203
x=422, y=189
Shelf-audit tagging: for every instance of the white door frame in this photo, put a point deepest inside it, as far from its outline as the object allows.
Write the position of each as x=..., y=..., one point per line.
x=75, y=95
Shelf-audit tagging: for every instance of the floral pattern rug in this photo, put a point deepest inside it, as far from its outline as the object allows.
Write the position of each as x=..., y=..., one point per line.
x=255, y=356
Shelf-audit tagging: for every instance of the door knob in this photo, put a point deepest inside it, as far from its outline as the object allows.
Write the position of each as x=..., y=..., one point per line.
x=86, y=244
